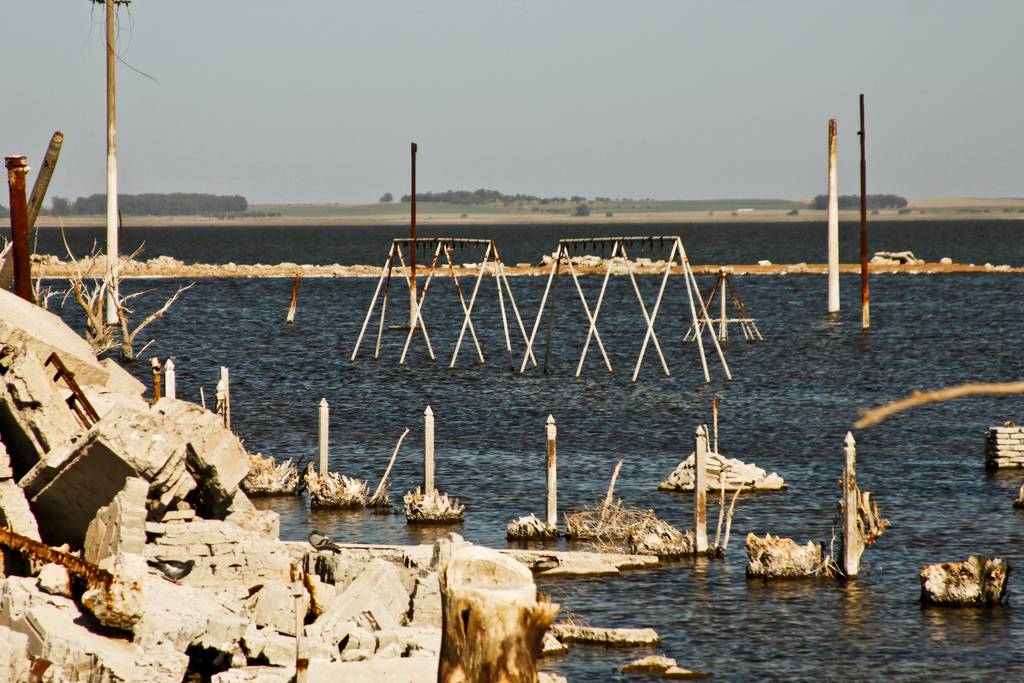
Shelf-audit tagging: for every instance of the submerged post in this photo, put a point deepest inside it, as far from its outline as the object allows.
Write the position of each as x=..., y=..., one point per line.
x=170, y=381
x=833, y=218
x=154, y=363
x=324, y=416
x=412, y=234
x=865, y=299
x=723, y=326
x=17, y=169
x=551, y=432
x=700, y=492
x=853, y=543
x=428, y=451
x=224, y=397
x=112, y=212
x=295, y=299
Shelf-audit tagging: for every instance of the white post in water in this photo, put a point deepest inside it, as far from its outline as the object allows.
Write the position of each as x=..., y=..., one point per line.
x=700, y=489
x=170, y=386
x=853, y=543
x=723, y=327
x=833, y=220
x=112, y=212
x=324, y=414
x=551, y=431
x=224, y=397
x=428, y=451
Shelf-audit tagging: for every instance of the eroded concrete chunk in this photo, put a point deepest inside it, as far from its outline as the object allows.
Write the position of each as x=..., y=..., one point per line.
x=728, y=472
x=14, y=660
x=773, y=557
x=54, y=579
x=978, y=581
x=120, y=604
x=273, y=606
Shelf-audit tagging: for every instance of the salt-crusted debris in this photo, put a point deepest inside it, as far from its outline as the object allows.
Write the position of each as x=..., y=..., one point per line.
x=896, y=257
x=639, y=532
x=666, y=666
x=734, y=474
x=334, y=490
x=1004, y=446
x=613, y=637
x=432, y=508
x=978, y=581
x=267, y=477
x=772, y=557
x=529, y=528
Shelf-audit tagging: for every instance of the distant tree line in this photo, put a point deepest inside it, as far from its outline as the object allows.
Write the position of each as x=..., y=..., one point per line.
x=852, y=201
x=483, y=196
x=154, y=204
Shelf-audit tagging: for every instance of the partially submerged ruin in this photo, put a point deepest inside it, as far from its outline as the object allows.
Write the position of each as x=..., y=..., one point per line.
x=976, y=582
x=729, y=473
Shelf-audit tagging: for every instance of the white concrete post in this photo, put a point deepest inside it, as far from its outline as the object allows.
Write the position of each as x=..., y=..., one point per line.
x=853, y=544
x=170, y=386
x=833, y=220
x=428, y=451
x=700, y=489
x=551, y=431
x=723, y=327
x=224, y=397
x=324, y=415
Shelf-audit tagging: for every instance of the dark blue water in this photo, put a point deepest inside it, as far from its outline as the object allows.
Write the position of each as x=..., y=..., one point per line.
x=974, y=241
x=793, y=398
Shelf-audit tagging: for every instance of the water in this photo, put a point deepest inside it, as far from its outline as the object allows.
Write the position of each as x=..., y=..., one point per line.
x=787, y=410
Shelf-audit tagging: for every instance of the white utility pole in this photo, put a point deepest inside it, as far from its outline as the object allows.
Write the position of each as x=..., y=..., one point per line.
x=111, y=309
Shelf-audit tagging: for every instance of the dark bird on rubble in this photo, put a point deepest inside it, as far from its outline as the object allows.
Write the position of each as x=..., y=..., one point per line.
x=322, y=541
x=175, y=570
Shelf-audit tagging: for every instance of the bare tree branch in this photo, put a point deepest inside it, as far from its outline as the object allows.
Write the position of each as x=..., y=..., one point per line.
x=919, y=398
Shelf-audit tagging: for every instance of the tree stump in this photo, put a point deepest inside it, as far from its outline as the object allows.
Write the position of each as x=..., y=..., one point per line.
x=492, y=622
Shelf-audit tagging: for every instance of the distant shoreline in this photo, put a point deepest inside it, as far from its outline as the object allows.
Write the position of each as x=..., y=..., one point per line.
x=424, y=217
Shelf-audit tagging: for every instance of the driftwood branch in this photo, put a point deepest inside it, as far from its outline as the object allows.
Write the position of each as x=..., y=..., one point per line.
x=379, y=496
x=919, y=398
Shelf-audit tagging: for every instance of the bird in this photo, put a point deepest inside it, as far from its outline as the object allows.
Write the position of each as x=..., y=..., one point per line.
x=322, y=541
x=173, y=570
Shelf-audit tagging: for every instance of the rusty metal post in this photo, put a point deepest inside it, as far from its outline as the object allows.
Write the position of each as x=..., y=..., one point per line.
x=714, y=418
x=154, y=362
x=865, y=298
x=700, y=490
x=833, y=218
x=412, y=235
x=17, y=169
x=551, y=432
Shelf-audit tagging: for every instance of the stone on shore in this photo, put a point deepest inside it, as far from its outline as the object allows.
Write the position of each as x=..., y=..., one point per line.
x=978, y=581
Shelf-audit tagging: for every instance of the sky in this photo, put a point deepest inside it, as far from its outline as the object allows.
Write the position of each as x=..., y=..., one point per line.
x=317, y=101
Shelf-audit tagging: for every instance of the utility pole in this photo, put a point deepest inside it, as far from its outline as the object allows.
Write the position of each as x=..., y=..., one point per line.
x=865, y=298
x=112, y=213
x=412, y=257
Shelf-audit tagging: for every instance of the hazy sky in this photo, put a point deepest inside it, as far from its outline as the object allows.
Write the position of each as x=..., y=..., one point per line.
x=317, y=101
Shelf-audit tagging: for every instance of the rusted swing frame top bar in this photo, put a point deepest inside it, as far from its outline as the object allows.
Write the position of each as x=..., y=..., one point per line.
x=435, y=240
x=612, y=240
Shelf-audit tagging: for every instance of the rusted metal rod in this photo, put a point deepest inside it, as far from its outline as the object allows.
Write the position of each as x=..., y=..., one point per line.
x=295, y=299
x=833, y=219
x=865, y=298
x=112, y=212
x=155, y=364
x=17, y=169
x=412, y=236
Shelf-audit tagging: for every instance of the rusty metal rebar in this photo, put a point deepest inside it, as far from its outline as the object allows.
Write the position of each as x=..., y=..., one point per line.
x=865, y=298
x=44, y=554
x=17, y=169
x=78, y=401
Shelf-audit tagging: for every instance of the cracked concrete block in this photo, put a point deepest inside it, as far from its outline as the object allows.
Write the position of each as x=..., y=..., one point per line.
x=257, y=674
x=16, y=516
x=409, y=639
x=119, y=605
x=267, y=646
x=119, y=527
x=44, y=333
x=273, y=606
x=426, y=601
x=54, y=579
x=14, y=661
x=121, y=381
x=34, y=417
x=376, y=598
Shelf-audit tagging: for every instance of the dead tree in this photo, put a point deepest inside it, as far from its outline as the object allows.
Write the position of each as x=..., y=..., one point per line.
x=90, y=293
x=492, y=621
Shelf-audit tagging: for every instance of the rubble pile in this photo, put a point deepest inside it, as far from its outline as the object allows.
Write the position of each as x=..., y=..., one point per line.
x=773, y=557
x=1004, y=446
x=978, y=581
x=165, y=570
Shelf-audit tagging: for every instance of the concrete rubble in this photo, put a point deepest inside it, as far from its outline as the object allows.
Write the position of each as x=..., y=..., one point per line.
x=168, y=571
x=721, y=471
x=978, y=581
x=773, y=557
x=1004, y=447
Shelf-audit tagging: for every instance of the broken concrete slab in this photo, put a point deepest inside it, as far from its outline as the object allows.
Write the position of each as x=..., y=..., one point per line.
x=14, y=659
x=393, y=670
x=651, y=664
x=269, y=646
x=55, y=580
x=731, y=473
x=410, y=639
x=34, y=417
x=119, y=527
x=379, y=591
x=257, y=674
x=120, y=604
x=16, y=516
x=121, y=381
x=44, y=333
x=614, y=637
x=273, y=606
x=551, y=646
x=426, y=601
